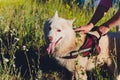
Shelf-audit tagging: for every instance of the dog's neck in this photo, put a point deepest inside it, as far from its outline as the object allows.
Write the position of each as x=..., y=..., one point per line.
x=74, y=43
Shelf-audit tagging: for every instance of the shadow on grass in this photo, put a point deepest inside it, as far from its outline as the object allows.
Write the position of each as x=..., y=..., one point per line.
x=29, y=65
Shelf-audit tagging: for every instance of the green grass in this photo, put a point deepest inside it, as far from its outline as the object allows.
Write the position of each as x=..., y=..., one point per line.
x=24, y=20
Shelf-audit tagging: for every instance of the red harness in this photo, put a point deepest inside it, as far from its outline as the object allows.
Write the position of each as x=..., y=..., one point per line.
x=90, y=47
x=92, y=42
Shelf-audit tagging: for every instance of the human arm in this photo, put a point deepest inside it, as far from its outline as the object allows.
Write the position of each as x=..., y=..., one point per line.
x=115, y=20
x=99, y=13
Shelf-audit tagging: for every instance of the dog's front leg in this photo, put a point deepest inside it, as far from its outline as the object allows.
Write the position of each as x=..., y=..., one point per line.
x=80, y=73
x=80, y=76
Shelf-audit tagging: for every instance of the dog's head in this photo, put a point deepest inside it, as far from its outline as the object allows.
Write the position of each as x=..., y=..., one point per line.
x=58, y=32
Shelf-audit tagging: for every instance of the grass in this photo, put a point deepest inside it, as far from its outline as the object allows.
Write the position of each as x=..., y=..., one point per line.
x=21, y=24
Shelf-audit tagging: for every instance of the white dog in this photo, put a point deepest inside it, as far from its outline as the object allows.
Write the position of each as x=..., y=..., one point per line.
x=62, y=40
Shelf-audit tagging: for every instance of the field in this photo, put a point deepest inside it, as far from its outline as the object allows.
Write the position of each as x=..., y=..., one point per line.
x=22, y=46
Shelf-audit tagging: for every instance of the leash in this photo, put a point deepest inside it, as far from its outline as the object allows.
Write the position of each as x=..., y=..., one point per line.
x=90, y=47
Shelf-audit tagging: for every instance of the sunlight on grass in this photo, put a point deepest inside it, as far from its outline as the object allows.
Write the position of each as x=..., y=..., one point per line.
x=4, y=3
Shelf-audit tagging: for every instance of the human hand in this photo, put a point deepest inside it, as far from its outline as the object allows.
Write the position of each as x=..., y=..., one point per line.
x=84, y=29
x=103, y=30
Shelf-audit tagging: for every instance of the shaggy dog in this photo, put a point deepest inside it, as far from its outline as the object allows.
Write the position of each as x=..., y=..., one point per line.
x=61, y=40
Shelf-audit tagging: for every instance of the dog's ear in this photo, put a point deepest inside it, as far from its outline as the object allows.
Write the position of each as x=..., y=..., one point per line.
x=70, y=22
x=56, y=14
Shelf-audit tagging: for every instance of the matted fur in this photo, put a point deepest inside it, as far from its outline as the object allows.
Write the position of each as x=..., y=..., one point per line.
x=57, y=27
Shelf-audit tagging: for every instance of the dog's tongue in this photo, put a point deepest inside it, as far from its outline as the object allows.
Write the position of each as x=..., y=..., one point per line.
x=51, y=48
x=52, y=45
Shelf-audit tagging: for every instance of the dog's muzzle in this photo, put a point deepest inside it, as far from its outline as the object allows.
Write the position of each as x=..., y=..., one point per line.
x=52, y=45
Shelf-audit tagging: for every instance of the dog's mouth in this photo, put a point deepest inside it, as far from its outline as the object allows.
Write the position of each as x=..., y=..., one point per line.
x=51, y=46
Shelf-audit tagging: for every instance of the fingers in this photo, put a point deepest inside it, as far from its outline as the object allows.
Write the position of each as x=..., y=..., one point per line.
x=81, y=30
x=84, y=29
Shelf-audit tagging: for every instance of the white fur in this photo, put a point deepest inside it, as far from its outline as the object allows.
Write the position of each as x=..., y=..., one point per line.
x=70, y=42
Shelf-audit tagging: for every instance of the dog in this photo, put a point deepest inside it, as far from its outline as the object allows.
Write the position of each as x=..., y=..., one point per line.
x=62, y=40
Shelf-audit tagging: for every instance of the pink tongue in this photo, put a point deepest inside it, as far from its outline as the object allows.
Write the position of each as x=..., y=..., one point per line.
x=51, y=48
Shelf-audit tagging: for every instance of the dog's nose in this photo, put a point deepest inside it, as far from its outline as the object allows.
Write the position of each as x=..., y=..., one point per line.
x=50, y=38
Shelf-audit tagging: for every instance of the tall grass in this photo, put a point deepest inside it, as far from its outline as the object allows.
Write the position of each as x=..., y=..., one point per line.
x=21, y=24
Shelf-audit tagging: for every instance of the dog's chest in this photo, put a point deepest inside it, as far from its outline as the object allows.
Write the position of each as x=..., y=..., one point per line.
x=70, y=64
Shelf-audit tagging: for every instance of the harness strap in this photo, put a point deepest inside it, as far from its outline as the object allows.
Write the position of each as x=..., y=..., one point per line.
x=92, y=42
x=74, y=54
x=90, y=47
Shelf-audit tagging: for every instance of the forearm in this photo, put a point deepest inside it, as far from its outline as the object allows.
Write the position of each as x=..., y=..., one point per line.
x=99, y=13
x=115, y=20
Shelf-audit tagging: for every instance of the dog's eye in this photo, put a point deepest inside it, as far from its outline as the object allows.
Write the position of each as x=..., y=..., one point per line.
x=49, y=28
x=58, y=30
